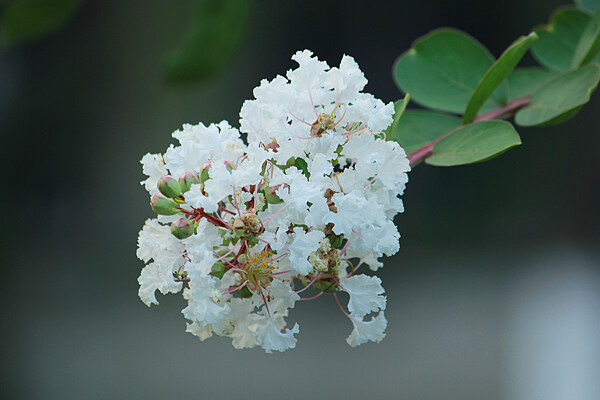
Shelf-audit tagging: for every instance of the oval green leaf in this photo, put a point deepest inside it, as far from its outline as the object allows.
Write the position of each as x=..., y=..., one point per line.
x=588, y=5
x=418, y=128
x=399, y=107
x=560, y=96
x=442, y=69
x=526, y=81
x=473, y=143
x=558, y=41
x=589, y=44
x=27, y=20
x=497, y=74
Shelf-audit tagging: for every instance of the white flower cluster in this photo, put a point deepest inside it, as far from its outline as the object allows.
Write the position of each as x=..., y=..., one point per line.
x=247, y=229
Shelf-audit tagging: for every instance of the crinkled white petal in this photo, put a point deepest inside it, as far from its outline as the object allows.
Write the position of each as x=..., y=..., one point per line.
x=365, y=294
x=153, y=278
x=205, y=303
x=282, y=296
x=302, y=246
x=156, y=242
x=153, y=166
x=271, y=337
x=365, y=331
x=202, y=332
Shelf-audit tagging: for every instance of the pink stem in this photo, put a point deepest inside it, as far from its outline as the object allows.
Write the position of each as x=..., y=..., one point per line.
x=345, y=248
x=313, y=297
x=272, y=216
x=341, y=308
x=228, y=253
x=300, y=119
x=354, y=131
x=309, y=285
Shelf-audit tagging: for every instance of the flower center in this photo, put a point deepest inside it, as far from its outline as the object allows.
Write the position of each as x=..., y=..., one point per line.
x=258, y=269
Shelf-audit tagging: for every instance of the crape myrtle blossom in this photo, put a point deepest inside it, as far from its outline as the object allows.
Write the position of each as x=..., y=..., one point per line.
x=247, y=230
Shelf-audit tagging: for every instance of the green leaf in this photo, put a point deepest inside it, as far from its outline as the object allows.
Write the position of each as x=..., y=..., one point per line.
x=559, y=40
x=301, y=164
x=27, y=20
x=215, y=33
x=475, y=142
x=399, y=107
x=497, y=74
x=417, y=128
x=589, y=44
x=560, y=96
x=526, y=81
x=442, y=70
x=588, y=5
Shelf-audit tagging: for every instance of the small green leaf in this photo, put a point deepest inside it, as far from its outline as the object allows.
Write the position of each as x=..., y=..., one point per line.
x=560, y=96
x=475, y=142
x=301, y=164
x=442, y=70
x=215, y=33
x=418, y=128
x=27, y=20
x=497, y=74
x=588, y=5
x=526, y=81
x=399, y=107
x=589, y=44
x=558, y=41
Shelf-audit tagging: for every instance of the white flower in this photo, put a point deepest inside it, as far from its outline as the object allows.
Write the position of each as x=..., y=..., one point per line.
x=315, y=188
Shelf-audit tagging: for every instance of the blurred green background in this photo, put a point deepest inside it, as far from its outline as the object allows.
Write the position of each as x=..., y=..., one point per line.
x=495, y=293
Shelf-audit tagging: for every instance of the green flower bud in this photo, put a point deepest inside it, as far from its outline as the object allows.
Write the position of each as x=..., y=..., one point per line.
x=182, y=228
x=187, y=179
x=163, y=206
x=204, y=172
x=218, y=269
x=169, y=186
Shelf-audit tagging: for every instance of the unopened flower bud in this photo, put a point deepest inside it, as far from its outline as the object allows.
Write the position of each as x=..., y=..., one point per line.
x=204, y=172
x=182, y=228
x=169, y=186
x=163, y=206
x=187, y=179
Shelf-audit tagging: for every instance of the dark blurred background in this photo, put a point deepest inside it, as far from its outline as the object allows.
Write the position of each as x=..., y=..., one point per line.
x=495, y=293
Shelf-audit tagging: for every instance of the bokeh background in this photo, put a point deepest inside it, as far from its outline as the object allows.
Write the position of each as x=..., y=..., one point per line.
x=495, y=293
